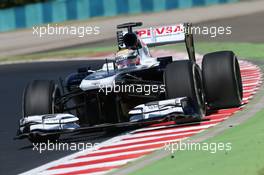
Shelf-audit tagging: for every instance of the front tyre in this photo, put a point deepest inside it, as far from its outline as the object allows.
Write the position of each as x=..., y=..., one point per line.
x=222, y=80
x=39, y=98
x=183, y=79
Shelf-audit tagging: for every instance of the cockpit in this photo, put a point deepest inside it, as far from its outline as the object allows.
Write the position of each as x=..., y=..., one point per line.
x=127, y=58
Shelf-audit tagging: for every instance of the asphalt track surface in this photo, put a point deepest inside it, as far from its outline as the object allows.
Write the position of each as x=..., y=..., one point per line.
x=17, y=156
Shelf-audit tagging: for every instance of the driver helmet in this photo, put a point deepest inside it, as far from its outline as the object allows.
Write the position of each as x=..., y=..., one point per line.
x=127, y=58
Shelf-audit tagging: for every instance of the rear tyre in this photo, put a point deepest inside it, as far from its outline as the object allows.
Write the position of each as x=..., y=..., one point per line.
x=39, y=98
x=222, y=80
x=183, y=79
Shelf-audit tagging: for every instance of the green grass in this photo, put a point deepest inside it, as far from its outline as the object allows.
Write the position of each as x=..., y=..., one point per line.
x=246, y=156
x=243, y=50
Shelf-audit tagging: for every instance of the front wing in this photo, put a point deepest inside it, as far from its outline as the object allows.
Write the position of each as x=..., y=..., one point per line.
x=141, y=115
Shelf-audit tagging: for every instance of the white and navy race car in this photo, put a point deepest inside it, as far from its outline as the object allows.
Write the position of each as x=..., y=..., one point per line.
x=133, y=88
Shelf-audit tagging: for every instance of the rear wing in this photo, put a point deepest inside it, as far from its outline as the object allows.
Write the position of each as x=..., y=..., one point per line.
x=170, y=34
x=156, y=36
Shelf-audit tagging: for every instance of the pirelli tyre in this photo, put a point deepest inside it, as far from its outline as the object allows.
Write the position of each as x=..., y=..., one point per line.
x=39, y=98
x=222, y=80
x=183, y=79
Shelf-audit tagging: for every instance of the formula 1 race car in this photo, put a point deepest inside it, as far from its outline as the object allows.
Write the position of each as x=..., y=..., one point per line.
x=133, y=88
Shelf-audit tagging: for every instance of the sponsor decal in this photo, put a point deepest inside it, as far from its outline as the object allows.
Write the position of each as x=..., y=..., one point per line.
x=161, y=31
